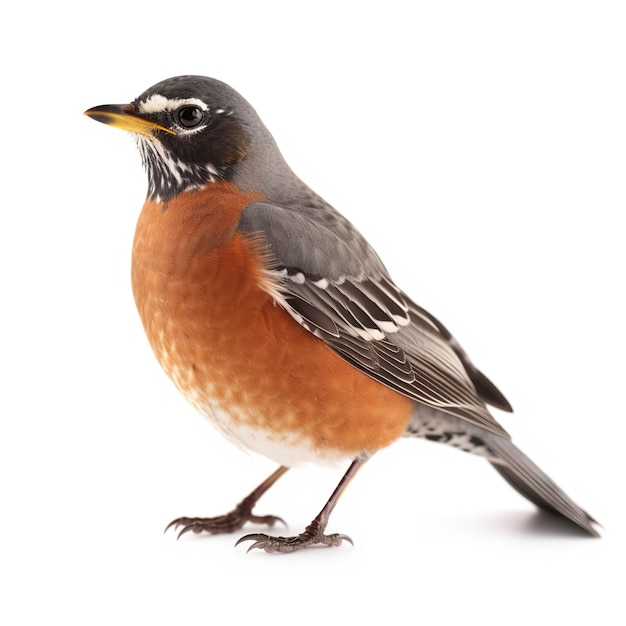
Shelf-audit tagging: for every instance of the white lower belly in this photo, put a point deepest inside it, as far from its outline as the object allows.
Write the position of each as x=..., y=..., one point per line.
x=285, y=448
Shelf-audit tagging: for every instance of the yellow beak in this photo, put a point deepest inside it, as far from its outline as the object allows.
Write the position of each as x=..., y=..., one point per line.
x=122, y=116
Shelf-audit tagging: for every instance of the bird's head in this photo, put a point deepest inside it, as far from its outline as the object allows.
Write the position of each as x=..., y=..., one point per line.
x=191, y=131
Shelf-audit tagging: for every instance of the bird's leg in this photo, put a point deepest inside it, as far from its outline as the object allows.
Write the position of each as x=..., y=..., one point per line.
x=314, y=533
x=234, y=520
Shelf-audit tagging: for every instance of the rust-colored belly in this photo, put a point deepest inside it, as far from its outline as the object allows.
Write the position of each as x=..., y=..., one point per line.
x=263, y=380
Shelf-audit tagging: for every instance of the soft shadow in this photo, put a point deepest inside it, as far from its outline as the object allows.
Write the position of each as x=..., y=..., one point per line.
x=547, y=524
x=541, y=524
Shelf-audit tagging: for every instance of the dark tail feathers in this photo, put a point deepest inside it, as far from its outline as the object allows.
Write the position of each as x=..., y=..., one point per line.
x=522, y=474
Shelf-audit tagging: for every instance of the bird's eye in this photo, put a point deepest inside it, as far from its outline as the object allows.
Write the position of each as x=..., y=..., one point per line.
x=189, y=116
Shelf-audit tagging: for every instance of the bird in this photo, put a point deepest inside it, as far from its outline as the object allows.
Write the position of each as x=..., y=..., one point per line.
x=278, y=321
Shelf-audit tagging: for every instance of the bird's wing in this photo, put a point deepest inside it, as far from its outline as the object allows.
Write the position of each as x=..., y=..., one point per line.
x=332, y=283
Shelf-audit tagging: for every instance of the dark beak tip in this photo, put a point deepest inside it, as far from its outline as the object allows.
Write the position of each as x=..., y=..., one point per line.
x=118, y=109
x=98, y=118
x=105, y=113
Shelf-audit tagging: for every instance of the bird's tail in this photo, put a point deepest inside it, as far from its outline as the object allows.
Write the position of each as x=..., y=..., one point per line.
x=522, y=474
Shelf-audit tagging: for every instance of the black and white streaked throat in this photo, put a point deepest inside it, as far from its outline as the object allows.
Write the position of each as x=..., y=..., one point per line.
x=190, y=143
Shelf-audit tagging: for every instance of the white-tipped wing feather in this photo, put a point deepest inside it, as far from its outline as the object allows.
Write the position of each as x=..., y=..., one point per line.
x=358, y=311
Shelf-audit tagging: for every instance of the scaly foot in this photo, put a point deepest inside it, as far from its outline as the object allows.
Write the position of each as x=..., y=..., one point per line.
x=241, y=514
x=222, y=524
x=313, y=535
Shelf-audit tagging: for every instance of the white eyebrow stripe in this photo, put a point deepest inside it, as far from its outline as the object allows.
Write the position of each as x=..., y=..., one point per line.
x=158, y=103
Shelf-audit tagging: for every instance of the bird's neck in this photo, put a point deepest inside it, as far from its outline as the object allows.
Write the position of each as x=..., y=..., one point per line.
x=171, y=234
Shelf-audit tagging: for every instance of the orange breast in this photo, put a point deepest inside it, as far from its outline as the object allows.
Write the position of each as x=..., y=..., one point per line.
x=239, y=358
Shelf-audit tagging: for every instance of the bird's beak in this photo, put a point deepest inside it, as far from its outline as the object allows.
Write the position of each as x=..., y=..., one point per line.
x=122, y=116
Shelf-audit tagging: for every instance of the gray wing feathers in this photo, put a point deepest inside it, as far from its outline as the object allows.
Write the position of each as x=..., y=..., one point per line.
x=485, y=388
x=315, y=239
x=334, y=284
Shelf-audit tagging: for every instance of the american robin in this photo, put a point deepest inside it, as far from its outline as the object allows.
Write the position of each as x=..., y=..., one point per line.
x=277, y=320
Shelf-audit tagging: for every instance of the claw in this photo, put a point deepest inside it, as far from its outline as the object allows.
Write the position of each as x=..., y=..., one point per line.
x=291, y=544
x=313, y=534
x=268, y=520
x=173, y=524
x=188, y=524
x=260, y=541
x=256, y=544
x=234, y=520
x=250, y=537
x=221, y=524
x=186, y=529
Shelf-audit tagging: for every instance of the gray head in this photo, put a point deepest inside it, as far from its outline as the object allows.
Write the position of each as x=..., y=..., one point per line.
x=192, y=131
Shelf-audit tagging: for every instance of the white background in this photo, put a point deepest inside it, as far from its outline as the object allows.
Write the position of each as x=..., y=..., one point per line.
x=480, y=146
